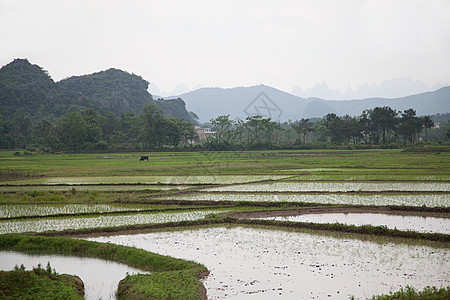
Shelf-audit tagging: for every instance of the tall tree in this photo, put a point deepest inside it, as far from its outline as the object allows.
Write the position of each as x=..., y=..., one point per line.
x=222, y=125
x=427, y=123
x=410, y=125
x=71, y=131
x=153, y=126
x=384, y=120
x=334, y=125
x=302, y=128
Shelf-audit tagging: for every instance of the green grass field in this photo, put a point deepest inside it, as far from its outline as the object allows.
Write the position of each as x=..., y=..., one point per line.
x=340, y=164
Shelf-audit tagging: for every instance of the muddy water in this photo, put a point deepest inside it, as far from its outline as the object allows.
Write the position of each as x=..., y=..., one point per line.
x=100, y=277
x=263, y=264
x=414, y=223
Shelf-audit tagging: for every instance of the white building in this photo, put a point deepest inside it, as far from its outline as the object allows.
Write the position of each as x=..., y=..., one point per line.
x=204, y=133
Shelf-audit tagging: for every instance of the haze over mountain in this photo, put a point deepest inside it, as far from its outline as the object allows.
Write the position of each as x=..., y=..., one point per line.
x=241, y=102
x=178, y=90
x=394, y=88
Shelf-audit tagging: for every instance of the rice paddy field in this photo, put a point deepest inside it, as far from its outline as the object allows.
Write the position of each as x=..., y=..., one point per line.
x=290, y=224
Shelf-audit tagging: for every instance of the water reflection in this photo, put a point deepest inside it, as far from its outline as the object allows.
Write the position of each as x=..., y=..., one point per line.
x=414, y=223
x=266, y=264
x=100, y=277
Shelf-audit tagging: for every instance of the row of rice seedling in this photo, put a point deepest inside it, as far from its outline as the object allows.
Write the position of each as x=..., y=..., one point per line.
x=429, y=200
x=300, y=186
x=11, y=211
x=383, y=174
x=85, y=187
x=381, y=177
x=151, y=179
x=59, y=224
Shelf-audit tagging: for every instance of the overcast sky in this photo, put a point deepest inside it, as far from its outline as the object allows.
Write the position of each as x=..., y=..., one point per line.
x=233, y=42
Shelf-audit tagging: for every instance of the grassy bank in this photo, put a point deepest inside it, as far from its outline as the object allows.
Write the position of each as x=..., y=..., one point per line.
x=409, y=293
x=39, y=283
x=179, y=272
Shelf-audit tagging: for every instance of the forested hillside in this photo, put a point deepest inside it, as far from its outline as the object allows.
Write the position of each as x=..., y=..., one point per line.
x=27, y=90
x=111, y=109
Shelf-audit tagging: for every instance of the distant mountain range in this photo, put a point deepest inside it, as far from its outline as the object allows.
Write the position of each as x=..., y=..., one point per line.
x=394, y=88
x=27, y=89
x=241, y=102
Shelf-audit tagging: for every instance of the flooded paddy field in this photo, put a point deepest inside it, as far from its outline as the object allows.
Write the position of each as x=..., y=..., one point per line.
x=339, y=186
x=12, y=211
x=263, y=264
x=98, y=283
x=407, y=199
x=361, y=174
x=65, y=223
x=150, y=179
x=86, y=187
x=413, y=223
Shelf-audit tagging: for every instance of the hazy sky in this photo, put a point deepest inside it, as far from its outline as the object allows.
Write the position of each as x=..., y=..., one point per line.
x=233, y=43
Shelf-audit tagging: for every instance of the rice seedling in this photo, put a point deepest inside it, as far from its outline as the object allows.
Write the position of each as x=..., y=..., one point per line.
x=10, y=211
x=412, y=199
x=59, y=224
x=142, y=180
x=301, y=186
x=86, y=188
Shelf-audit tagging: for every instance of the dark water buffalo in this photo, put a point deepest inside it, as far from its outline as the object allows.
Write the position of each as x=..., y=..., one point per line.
x=143, y=158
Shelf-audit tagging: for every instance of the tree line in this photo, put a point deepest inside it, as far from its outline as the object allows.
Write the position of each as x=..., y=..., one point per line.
x=91, y=131
x=379, y=126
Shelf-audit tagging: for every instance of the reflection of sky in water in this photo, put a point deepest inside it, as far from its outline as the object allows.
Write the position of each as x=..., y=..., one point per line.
x=414, y=223
x=100, y=277
x=264, y=264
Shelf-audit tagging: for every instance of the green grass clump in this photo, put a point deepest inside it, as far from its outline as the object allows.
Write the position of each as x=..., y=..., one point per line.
x=166, y=285
x=409, y=293
x=39, y=284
